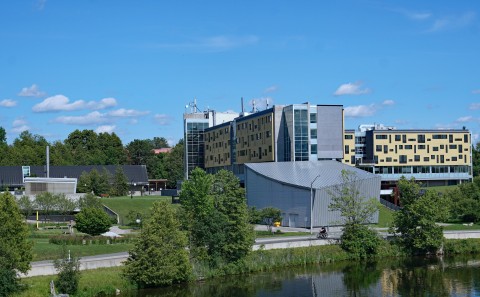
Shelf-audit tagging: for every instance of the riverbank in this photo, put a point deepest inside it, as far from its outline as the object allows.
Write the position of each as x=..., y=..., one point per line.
x=105, y=281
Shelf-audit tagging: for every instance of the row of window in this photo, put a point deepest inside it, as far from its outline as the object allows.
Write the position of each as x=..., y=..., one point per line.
x=419, y=139
x=385, y=148
x=420, y=169
x=403, y=159
x=252, y=125
x=254, y=153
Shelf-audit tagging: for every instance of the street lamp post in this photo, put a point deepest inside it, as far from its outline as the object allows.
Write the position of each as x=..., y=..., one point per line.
x=311, y=204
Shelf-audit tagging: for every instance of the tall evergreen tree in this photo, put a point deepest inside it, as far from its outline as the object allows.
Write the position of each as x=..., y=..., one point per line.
x=159, y=257
x=120, y=183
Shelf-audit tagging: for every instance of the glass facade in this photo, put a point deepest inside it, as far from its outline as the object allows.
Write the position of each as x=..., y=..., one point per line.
x=195, y=145
x=300, y=118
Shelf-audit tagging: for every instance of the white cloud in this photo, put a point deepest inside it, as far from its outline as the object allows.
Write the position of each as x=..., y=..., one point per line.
x=261, y=103
x=270, y=89
x=41, y=4
x=465, y=119
x=419, y=15
x=125, y=113
x=360, y=111
x=19, y=125
x=8, y=103
x=351, y=89
x=453, y=22
x=475, y=138
x=474, y=106
x=92, y=118
x=62, y=103
x=32, y=91
x=476, y=91
x=163, y=119
x=213, y=43
x=105, y=129
x=388, y=102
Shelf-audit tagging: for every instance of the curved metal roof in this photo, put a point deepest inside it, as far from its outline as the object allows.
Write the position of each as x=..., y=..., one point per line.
x=302, y=174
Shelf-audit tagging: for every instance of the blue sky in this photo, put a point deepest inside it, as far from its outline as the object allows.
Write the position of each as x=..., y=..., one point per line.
x=132, y=66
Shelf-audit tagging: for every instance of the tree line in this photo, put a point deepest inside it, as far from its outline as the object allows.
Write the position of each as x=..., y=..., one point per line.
x=86, y=147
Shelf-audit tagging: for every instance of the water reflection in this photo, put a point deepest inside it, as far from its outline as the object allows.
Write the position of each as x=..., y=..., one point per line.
x=410, y=277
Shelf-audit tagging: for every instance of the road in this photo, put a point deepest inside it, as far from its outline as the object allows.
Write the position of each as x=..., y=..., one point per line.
x=112, y=260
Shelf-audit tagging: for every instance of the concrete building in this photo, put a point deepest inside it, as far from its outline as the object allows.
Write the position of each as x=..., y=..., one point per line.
x=302, y=190
x=194, y=124
x=434, y=157
x=298, y=132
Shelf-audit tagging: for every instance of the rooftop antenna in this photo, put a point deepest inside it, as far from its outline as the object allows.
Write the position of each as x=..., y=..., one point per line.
x=193, y=106
x=243, y=109
x=48, y=161
x=254, y=107
x=267, y=103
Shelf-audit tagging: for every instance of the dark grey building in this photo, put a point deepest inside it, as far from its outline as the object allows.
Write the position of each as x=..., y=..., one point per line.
x=301, y=190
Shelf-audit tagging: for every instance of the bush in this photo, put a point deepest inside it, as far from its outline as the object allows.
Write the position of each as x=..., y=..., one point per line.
x=93, y=221
x=68, y=274
x=360, y=241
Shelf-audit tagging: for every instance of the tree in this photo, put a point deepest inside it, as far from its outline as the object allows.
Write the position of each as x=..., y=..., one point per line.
x=139, y=151
x=159, y=257
x=27, y=149
x=46, y=203
x=26, y=205
x=356, y=211
x=65, y=205
x=93, y=221
x=476, y=159
x=15, y=248
x=174, y=165
x=160, y=142
x=415, y=222
x=270, y=215
x=216, y=216
x=68, y=276
x=120, y=183
x=112, y=148
x=89, y=200
x=93, y=181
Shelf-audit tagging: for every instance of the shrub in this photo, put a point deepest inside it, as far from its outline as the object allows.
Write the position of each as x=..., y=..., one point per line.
x=68, y=274
x=360, y=241
x=93, y=221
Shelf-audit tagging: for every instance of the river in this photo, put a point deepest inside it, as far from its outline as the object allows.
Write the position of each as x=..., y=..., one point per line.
x=458, y=276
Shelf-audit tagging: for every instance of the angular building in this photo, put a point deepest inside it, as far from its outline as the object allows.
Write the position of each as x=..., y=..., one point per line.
x=194, y=124
x=433, y=157
x=298, y=132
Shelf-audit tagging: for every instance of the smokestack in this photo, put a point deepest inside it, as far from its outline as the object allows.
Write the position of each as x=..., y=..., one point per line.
x=48, y=161
x=243, y=110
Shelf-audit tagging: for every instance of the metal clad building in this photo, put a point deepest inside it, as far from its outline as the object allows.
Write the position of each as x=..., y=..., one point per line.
x=287, y=186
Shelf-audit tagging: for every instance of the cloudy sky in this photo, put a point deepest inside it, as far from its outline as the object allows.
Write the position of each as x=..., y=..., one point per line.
x=132, y=66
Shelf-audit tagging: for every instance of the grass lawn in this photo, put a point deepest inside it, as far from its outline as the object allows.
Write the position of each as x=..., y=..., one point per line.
x=385, y=217
x=441, y=189
x=461, y=227
x=42, y=250
x=123, y=205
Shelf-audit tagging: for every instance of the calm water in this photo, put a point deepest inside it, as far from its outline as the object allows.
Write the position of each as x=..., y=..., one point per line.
x=413, y=277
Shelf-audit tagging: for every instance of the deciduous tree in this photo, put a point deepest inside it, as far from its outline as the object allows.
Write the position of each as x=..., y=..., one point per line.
x=159, y=257
x=15, y=248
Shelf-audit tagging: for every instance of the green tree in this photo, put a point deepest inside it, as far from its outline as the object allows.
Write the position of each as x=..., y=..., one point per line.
x=93, y=181
x=15, y=248
x=230, y=201
x=27, y=149
x=46, y=202
x=26, y=205
x=159, y=142
x=84, y=148
x=120, y=183
x=356, y=211
x=217, y=217
x=415, y=222
x=159, y=257
x=139, y=151
x=65, y=205
x=89, y=200
x=270, y=215
x=60, y=154
x=112, y=148
x=174, y=165
x=68, y=276
x=93, y=221
x=476, y=159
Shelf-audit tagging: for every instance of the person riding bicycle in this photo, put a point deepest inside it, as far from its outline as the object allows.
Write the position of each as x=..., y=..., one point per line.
x=323, y=230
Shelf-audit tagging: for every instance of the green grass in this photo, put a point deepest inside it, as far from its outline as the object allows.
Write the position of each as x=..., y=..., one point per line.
x=442, y=189
x=385, y=217
x=461, y=227
x=123, y=205
x=42, y=250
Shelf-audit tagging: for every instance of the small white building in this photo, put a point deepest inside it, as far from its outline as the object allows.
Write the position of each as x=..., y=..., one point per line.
x=38, y=185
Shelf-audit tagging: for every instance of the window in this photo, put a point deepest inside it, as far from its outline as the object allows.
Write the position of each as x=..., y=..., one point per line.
x=439, y=136
x=347, y=149
x=313, y=118
x=404, y=138
x=313, y=133
x=421, y=146
x=313, y=149
x=417, y=158
x=452, y=146
x=408, y=147
x=380, y=136
x=465, y=138
x=378, y=148
x=398, y=137
x=421, y=138
x=403, y=159
x=385, y=149
x=389, y=159
x=348, y=136
x=268, y=134
x=435, y=148
x=426, y=159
